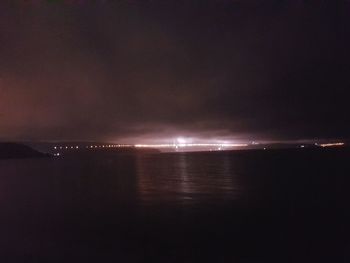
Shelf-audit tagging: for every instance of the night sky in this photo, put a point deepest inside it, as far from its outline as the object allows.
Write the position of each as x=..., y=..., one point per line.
x=141, y=70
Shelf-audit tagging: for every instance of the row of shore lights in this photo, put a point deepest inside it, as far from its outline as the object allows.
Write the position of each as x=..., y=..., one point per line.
x=91, y=146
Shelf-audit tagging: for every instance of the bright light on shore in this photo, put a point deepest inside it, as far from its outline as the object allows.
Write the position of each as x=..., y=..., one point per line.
x=181, y=145
x=181, y=140
x=331, y=144
x=178, y=144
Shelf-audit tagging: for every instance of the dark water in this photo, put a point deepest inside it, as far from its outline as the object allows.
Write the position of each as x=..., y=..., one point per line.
x=254, y=206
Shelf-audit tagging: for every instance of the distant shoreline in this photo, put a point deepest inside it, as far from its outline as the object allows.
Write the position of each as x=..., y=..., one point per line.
x=10, y=150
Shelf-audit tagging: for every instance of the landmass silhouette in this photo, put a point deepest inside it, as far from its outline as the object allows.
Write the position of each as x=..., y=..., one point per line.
x=10, y=150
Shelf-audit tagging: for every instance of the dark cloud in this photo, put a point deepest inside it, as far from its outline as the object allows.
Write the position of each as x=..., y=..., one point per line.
x=140, y=69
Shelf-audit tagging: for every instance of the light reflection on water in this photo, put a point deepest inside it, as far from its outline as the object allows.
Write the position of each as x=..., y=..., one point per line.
x=186, y=177
x=98, y=182
x=125, y=208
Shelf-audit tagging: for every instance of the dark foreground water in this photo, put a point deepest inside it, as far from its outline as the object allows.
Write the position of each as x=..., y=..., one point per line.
x=253, y=206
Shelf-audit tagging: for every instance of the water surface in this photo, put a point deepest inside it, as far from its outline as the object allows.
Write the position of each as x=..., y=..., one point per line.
x=248, y=206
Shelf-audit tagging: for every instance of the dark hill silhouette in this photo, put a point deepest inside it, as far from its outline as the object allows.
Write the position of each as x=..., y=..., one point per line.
x=17, y=150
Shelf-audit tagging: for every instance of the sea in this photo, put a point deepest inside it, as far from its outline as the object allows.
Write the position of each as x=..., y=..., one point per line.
x=230, y=206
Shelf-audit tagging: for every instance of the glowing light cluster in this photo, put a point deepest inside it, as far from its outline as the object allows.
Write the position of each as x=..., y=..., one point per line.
x=93, y=146
x=181, y=145
x=66, y=147
x=331, y=144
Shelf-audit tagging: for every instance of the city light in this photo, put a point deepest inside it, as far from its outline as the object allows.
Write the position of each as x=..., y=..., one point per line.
x=184, y=145
x=331, y=144
x=178, y=143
